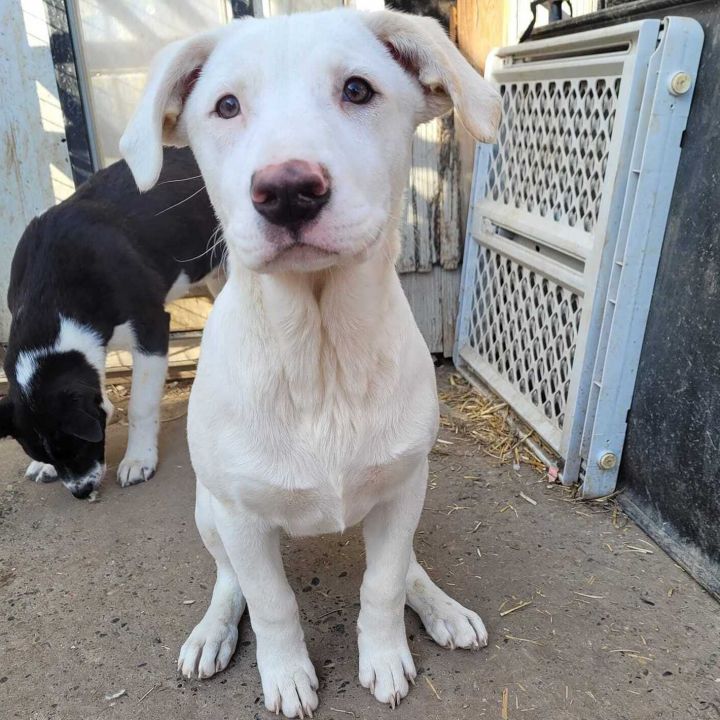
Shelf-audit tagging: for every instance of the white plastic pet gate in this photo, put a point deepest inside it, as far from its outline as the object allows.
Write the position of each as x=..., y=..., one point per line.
x=565, y=230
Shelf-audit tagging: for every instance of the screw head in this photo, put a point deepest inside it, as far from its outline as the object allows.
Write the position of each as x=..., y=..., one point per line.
x=680, y=83
x=607, y=461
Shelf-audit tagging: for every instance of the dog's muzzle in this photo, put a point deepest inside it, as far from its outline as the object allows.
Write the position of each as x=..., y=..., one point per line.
x=81, y=487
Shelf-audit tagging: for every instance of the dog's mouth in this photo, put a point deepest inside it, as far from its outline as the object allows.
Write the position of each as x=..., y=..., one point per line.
x=302, y=257
x=82, y=486
x=294, y=249
x=311, y=247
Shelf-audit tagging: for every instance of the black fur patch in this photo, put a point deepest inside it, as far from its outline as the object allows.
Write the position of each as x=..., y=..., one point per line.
x=106, y=256
x=6, y=417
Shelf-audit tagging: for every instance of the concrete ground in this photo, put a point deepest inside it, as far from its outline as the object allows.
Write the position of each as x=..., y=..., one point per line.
x=587, y=618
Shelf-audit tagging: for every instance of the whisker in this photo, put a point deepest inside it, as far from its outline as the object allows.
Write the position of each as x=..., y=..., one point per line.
x=215, y=242
x=194, y=177
x=221, y=240
x=190, y=197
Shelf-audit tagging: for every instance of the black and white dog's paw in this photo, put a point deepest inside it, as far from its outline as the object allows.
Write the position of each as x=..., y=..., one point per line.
x=134, y=470
x=41, y=472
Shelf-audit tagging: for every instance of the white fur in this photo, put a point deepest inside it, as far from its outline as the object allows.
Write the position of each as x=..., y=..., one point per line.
x=179, y=288
x=314, y=405
x=72, y=336
x=148, y=382
x=41, y=472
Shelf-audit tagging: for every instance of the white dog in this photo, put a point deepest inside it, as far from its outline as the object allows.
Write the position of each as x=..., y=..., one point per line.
x=314, y=406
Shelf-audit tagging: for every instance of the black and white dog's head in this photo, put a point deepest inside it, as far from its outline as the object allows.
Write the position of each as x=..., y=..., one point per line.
x=57, y=415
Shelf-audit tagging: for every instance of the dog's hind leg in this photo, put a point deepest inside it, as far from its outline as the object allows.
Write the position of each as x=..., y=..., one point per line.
x=446, y=621
x=212, y=643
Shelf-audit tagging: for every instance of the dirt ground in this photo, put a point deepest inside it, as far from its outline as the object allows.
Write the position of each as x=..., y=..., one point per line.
x=587, y=618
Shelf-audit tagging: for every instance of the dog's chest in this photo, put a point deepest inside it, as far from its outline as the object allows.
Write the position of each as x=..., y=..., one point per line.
x=309, y=433
x=324, y=502
x=320, y=473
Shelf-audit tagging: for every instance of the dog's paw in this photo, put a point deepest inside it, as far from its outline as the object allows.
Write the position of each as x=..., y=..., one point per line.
x=386, y=672
x=289, y=686
x=41, y=472
x=447, y=622
x=208, y=649
x=451, y=625
x=458, y=627
x=132, y=471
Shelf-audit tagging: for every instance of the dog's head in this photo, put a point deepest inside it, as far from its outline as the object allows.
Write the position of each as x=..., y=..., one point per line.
x=302, y=126
x=58, y=418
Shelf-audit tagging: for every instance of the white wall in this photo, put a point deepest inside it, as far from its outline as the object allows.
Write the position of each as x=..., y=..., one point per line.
x=118, y=39
x=35, y=164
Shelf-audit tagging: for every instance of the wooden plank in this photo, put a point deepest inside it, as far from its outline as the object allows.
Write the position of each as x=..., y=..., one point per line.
x=407, y=261
x=423, y=293
x=481, y=26
x=183, y=355
x=432, y=232
x=449, y=300
x=189, y=313
x=425, y=175
x=433, y=297
x=450, y=219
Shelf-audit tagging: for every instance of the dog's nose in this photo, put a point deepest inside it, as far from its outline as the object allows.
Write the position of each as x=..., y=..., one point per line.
x=290, y=193
x=83, y=490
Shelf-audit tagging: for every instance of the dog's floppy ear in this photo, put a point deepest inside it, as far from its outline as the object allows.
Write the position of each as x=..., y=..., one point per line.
x=82, y=424
x=422, y=47
x=6, y=417
x=156, y=120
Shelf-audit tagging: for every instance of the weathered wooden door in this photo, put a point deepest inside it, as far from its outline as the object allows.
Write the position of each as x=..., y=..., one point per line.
x=432, y=238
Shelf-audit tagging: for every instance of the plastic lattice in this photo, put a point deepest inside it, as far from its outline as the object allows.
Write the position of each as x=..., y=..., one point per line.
x=552, y=149
x=525, y=327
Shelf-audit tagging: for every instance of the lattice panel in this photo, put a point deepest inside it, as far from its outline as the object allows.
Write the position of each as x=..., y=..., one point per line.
x=525, y=327
x=552, y=150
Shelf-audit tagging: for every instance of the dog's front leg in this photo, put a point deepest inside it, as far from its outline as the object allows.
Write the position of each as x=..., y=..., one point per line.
x=288, y=677
x=148, y=383
x=385, y=661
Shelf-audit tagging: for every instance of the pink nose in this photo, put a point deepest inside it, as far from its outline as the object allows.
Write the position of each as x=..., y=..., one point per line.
x=290, y=193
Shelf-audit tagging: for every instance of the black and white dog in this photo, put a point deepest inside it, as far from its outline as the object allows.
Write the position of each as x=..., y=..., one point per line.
x=90, y=274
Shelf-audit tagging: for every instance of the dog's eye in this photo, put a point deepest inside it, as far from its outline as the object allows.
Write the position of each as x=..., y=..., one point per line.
x=228, y=106
x=357, y=91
